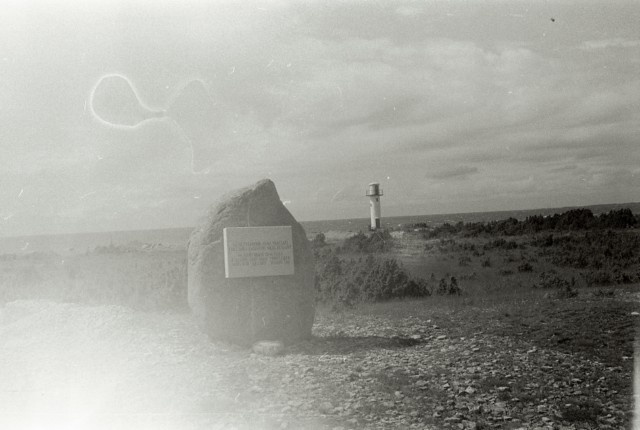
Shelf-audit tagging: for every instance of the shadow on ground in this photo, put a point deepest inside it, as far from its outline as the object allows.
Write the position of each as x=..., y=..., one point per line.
x=332, y=345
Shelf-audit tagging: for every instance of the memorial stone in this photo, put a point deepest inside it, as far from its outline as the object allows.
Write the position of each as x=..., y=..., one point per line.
x=251, y=271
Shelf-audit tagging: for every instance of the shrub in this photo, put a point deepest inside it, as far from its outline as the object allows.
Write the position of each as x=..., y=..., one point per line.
x=576, y=219
x=445, y=229
x=319, y=240
x=469, y=246
x=571, y=220
x=418, y=226
x=624, y=278
x=366, y=279
x=598, y=277
x=450, y=288
x=470, y=276
x=566, y=292
x=599, y=250
x=464, y=261
x=544, y=241
x=563, y=288
x=442, y=287
x=552, y=280
x=621, y=218
x=494, y=244
x=600, y=293
x=525, y=267
x=486, y=262
x=375, y=242
x=501, y=243
x=454, y=288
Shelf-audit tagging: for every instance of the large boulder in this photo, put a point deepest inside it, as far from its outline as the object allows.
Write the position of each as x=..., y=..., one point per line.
x=250, y=309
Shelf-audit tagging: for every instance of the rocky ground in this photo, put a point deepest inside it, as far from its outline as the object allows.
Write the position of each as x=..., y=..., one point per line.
x=553, y=364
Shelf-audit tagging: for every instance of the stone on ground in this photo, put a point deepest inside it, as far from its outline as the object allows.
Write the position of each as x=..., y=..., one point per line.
x=246, y=310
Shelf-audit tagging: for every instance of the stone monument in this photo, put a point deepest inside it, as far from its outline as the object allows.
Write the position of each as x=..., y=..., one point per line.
x=251, y=272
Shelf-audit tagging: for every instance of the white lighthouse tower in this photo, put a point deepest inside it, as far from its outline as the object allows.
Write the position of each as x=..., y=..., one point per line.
x=374, y=193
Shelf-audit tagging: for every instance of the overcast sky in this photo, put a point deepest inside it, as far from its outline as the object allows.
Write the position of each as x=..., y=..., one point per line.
x=140, y=114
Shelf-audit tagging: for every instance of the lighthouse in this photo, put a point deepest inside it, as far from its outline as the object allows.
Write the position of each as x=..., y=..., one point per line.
x=374, y=193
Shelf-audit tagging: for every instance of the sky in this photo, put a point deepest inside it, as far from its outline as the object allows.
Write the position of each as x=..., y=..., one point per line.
x=119, y=115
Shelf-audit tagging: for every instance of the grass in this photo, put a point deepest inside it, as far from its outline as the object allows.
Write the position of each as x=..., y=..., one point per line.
x=157, y=279
x=503, y=297
x=597, y=328
x=142, y=280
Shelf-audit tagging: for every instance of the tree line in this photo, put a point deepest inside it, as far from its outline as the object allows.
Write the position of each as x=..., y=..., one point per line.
x=573, y=220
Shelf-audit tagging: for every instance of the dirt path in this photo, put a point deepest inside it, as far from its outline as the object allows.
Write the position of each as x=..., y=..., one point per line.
x=73, y=366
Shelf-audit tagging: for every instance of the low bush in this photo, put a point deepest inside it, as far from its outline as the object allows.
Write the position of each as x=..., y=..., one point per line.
x=600, y=250
x=501, y=244
x=550, y=280
x=319, y=241
x=598, y=277
x=563, y=289
x=510, y=258
x=347, y=282
x=468, y=246
x=375, y=242
x=525, y=267
x=469, y=276
x=566, y=292
x=449, y=288
x=579, y=219
x=454, y=288
x=464, y=261
x=600, y=293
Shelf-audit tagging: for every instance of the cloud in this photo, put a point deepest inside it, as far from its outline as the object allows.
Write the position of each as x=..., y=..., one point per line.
x=617, y=42
x=458, y=172
x=323, y=98
x=444, y=102
x=376, y=84
x=409, y=10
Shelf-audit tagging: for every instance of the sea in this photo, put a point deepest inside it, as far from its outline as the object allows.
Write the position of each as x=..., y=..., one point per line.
x=177, y=238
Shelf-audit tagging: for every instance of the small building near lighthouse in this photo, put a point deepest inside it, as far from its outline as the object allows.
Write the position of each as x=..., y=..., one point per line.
x=374, y=192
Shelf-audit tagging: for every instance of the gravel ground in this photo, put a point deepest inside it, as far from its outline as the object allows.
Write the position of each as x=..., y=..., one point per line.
x=73, y=366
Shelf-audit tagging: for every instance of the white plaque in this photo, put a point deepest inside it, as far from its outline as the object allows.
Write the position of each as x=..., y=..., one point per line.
x=258, y=251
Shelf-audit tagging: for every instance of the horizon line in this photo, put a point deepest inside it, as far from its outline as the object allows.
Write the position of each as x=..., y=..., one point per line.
x=329, y=219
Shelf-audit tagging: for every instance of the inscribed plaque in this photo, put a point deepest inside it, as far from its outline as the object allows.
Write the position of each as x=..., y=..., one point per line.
x=258, y=251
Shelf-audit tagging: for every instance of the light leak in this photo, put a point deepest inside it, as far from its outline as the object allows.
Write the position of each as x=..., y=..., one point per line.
x=115, y=102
